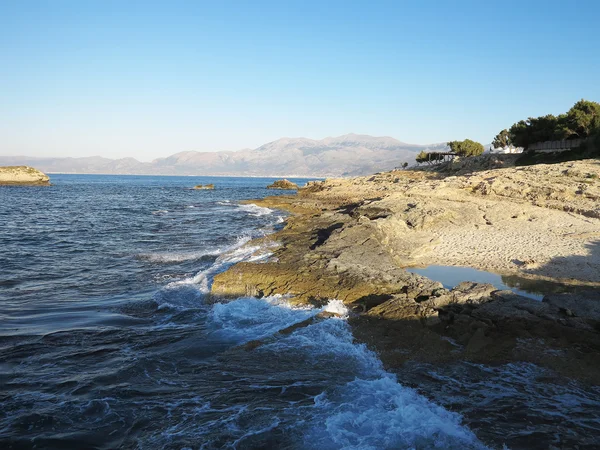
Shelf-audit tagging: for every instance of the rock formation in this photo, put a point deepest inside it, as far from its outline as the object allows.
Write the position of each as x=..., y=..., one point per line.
x=351, y=239
x=204, y=186
x=23, y=175
x=283, y=184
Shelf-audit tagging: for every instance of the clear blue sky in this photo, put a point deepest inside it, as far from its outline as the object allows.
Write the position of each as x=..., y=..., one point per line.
x=148, y=79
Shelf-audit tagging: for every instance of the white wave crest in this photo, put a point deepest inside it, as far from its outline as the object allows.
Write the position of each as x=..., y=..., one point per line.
x=178, y=256
x=231, y=255
x=249, y=318
x=199, y=281
x=336, y=307
x=255, y=210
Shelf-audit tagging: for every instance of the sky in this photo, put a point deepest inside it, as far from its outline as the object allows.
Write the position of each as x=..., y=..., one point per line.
x=147, y=79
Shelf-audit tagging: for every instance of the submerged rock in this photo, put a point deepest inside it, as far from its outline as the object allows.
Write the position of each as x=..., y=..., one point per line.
x=283, y=184
x=23, y=175
x=204, y=186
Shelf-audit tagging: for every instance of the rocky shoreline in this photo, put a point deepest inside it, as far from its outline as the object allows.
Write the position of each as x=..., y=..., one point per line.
x=351, y=239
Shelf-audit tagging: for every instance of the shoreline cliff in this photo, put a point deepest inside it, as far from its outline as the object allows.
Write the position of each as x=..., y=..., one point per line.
x=352, y=239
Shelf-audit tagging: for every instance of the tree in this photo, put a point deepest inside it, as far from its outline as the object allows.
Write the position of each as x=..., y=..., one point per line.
x=536, y=129
x=583, y=119
x=421, y=157
x=502, y=139
x=466, y=147
x=404, y=165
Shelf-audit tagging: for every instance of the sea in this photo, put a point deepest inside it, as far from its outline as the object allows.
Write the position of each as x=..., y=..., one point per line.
x=109, y=339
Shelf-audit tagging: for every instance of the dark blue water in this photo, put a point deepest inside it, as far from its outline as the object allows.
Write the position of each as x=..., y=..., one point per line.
x=107, y=339
x=90, y=241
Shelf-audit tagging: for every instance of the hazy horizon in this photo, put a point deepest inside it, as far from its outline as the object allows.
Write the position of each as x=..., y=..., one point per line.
x=350, y=154
x=236, y=150
x=147, y=80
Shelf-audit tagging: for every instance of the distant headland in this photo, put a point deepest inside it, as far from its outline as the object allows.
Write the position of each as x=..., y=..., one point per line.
x=23, y=175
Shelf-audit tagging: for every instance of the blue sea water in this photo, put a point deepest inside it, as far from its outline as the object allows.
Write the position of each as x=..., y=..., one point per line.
x=108, y=338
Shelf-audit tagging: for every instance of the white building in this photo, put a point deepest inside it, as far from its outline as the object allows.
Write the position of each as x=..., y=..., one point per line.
x=505, y=150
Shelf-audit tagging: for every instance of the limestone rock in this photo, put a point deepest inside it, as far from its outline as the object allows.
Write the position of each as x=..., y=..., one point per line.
x=23, y=175
x=351, y=238
x=283, y=184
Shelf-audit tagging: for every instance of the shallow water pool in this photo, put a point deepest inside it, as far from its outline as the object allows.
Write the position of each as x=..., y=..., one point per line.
x=450, y=276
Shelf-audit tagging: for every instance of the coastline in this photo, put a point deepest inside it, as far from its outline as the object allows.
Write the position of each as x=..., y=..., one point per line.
x=351, y=239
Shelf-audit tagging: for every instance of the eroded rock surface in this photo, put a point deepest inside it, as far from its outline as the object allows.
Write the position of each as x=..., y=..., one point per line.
x=351, y=239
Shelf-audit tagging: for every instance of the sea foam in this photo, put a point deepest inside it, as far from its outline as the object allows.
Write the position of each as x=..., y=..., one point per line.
x=371, y=410
x=178, y=256
x=255, y=210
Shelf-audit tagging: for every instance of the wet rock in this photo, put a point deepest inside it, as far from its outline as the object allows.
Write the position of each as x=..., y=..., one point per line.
x=585, y=305
x=473, y=293
x=466, y=293
x=478, y=341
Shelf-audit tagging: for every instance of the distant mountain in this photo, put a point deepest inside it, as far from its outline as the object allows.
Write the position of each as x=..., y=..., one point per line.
x=352, y=154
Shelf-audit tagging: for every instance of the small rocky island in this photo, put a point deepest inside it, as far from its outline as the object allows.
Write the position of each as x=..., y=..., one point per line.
x=284, y=185
x=204, y=187
x=23, y=176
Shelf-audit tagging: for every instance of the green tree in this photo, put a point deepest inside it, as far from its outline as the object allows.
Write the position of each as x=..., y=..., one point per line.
x=466, y=147
x=502, y=139
x=520, y=134
x=536, y=129
x=421, y=157
x=583, y=119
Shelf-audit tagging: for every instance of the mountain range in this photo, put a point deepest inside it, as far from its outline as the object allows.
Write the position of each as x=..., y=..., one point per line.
x=347, y=155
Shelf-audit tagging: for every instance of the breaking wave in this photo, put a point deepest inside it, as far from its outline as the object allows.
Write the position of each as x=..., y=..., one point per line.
x=178, y=256
x=363, y=406
x=255, y=210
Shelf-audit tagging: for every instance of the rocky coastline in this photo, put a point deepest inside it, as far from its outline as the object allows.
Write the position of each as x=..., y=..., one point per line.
x=352, y=239
x=22, y=176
